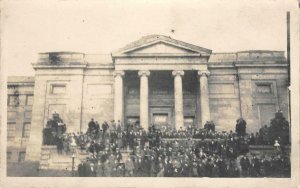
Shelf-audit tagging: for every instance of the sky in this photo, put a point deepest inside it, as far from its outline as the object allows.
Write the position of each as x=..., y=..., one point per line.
x=33, y=26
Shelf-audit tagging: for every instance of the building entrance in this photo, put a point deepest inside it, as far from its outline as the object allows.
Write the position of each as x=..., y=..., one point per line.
x=161, y=118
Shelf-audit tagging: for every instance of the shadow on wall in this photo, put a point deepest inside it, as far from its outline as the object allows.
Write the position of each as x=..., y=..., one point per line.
x=30, y=169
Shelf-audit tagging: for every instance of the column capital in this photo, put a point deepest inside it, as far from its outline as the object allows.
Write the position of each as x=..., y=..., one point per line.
x=203, y=73
x=177, y=73
x=144, y=73
x=118, y=73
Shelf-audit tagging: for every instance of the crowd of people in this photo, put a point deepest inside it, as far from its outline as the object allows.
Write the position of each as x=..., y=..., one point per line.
x=181, y=158
x=156, y=163
x=116, y=151
x=55, y=133
x=278, y=130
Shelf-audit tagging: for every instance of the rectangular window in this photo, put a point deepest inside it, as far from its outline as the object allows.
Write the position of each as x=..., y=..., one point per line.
x=188, y=121
x=22, y=156
x=11, y=131
x=133, y=120
x=263, y=88
x=26, y=130
x=159, y=119
x=58, y=89
x=27, y=115
x=29, y=100
x=12, y=100
x=8, y=155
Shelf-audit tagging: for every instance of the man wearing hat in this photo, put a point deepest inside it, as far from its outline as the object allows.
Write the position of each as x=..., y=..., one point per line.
x=81, y=170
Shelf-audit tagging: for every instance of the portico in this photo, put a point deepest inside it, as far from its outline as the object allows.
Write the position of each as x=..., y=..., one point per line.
x=154, y=57
x=174, y=100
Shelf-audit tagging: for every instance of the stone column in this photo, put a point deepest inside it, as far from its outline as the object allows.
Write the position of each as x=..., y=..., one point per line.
x=144, y=103
x=178, y=96
x=118, y=98
x=204, y=96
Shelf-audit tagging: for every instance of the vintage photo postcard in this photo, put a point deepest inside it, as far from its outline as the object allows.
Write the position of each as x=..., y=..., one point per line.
x=162, y=93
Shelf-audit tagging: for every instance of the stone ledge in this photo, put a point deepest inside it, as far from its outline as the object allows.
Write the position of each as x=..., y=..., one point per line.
x=265, y=147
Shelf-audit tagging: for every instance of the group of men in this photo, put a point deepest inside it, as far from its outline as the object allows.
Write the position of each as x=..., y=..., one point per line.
x=276, y=165
x=117, y=152
x=54, y=132
x=278, y=131
x=175, y=159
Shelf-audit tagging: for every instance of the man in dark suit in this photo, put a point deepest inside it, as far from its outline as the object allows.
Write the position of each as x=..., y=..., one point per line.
x=86, y=168
x=97, y=127
x=240, y=127
x=169, y=169
x=91, y=125
x=105, y=127
x=81, y=169
x=245, y=165
x=256, y=166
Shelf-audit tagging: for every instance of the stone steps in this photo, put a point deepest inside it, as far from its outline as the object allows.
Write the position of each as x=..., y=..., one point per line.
x=51, y=160
x=61, y=165
x=46, y=152
x=45, y=157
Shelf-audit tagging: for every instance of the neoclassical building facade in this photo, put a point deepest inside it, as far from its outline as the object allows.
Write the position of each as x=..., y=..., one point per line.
x=158, y=80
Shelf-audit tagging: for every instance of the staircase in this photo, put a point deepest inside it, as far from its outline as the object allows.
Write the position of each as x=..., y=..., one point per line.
x=50, y=159
x=46, y=152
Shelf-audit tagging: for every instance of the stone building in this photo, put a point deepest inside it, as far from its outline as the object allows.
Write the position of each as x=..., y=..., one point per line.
x=19, y=108
x=159, y=80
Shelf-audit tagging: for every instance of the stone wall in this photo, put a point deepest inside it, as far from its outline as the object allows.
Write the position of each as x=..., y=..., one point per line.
x=98, y=97
x=57, y=91
x=259, y=82
x=19, y=109
x=224, y=98
x=58, y=88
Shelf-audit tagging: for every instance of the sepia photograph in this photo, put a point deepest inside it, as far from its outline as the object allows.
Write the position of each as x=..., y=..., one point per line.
x=149, y=93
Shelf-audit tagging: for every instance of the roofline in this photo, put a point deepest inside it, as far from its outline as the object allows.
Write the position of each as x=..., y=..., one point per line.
x=61, y=52
x=259, y=51
x=154, y=41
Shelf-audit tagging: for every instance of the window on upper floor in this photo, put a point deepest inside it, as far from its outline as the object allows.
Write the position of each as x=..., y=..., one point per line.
x=13, y=100
x=29, y=100
x=58, y=89
x=264, y=88
x=26, y=130
x=11, y=131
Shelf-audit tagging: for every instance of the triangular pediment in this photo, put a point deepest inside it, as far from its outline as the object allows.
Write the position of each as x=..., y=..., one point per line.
x=160, y=45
